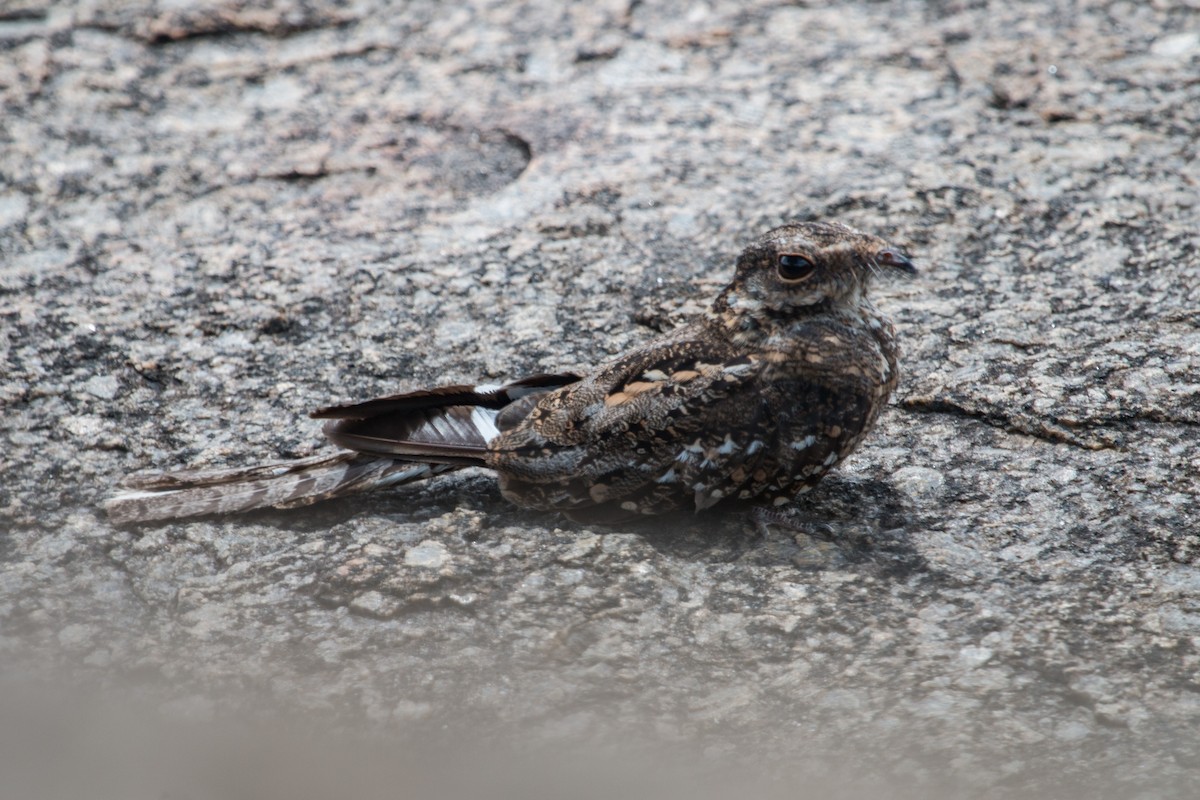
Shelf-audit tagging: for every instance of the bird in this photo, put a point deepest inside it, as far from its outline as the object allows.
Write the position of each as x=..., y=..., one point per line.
x=754, y=400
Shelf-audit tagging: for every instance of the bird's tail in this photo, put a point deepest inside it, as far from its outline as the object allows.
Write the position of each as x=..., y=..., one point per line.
x=195, y=493
x=388, y=440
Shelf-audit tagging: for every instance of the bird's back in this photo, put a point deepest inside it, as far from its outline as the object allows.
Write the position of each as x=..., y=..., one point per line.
x=695, y=418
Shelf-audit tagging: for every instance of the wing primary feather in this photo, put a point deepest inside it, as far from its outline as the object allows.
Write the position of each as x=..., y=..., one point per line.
x=449, y=425
x=488, y=396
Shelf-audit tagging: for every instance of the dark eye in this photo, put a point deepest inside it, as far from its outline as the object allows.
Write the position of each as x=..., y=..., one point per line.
x=795, y=268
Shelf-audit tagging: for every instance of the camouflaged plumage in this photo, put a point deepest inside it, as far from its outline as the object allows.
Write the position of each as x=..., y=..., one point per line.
x=755, y=400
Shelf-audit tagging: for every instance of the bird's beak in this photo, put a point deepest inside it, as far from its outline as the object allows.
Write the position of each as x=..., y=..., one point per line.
x=891, y=257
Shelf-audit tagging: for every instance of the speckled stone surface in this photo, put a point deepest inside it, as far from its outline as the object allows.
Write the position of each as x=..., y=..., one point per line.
x=217, y=216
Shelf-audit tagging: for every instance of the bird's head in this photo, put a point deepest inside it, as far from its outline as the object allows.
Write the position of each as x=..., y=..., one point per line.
x=806, y=268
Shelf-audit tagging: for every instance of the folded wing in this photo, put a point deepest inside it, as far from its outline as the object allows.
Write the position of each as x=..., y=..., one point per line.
x=447, y=425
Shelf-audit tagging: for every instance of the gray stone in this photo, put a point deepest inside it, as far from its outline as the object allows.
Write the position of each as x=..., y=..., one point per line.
x=215, y=217
x=427, y=554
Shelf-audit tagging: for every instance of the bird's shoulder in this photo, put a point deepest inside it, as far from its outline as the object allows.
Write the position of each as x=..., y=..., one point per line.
x=670, y=377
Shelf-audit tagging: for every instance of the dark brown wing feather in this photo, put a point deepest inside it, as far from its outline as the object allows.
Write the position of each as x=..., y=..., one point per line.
x=447, y=425
x=444, y=396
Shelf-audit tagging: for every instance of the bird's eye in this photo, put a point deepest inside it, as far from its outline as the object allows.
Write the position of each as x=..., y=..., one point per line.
x=795, y=268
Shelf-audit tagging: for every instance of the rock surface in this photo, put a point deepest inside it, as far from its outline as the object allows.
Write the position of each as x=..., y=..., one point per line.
x=217, y=216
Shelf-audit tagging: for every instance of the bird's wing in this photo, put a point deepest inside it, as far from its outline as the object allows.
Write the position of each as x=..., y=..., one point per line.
x=676, y=418
x=446, y=425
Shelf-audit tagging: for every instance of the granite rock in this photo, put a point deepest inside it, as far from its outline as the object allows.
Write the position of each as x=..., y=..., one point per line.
x=215, y=217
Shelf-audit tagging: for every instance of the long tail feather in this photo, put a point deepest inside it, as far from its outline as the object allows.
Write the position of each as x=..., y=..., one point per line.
x=297, y=483
x=388, y=441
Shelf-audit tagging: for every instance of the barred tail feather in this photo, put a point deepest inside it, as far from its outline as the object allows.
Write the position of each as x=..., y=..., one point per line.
x=388, y=440
x=194, y=493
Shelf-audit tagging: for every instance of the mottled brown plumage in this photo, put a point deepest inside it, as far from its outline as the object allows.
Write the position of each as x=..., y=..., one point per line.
x=755, y=400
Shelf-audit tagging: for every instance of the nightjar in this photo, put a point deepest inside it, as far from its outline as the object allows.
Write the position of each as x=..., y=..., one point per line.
x=755, y=400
